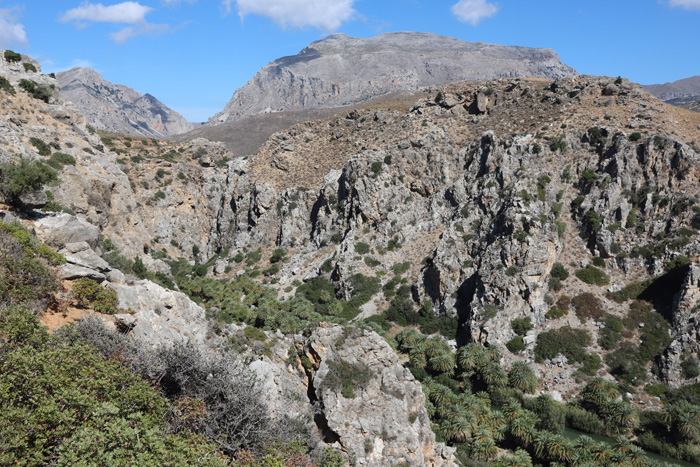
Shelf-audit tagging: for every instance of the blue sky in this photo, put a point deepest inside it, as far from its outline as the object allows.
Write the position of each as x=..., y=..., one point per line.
x=192, y=54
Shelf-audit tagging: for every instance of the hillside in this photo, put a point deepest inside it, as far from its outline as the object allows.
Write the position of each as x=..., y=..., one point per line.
x=391, y=274
x=341, y=70
x=118, y=108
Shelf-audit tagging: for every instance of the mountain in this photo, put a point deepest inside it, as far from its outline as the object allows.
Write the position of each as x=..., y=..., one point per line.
x=473, y=259
x=681, y=89
x=117, y=108
x=341, y=70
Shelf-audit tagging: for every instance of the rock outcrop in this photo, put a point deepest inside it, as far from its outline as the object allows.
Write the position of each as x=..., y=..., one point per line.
x=379, y=419
x=117, y=108
x=340, y=70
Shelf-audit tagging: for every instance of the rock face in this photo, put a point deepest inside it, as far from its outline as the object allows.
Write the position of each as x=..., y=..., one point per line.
x=340, y=69
x=117, y=108
x=381, y=422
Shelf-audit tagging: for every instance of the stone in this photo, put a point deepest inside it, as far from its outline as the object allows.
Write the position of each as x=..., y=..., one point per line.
x=72, y=272
x=62, y=229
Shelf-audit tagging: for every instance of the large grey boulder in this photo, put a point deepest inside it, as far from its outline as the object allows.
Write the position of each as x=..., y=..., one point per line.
x=164, y=317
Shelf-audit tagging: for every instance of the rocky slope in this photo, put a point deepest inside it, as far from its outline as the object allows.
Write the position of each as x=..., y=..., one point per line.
x=340, y=70
x=114, y=107
x=95, y=191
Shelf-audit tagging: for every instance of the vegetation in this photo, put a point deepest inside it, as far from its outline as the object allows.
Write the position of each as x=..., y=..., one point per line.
x=89, y=293
x=24, y=177
x=6, y=85
x=12, y=56
x=345, y=377
x=592, y=275
x=37, y=92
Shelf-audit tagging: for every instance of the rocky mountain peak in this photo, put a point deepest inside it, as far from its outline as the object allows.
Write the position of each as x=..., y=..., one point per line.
x=118, y=108
x=342, y=69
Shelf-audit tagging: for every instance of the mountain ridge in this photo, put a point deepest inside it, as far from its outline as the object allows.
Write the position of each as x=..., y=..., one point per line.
x=119, y=108
x=317, y=76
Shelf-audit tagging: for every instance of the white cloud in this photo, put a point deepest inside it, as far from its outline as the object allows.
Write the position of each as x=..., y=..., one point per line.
x=126, y=12
x=326, y=15
x=473, y=11
x=120, y=37
x=11, y=32
x=687, y=4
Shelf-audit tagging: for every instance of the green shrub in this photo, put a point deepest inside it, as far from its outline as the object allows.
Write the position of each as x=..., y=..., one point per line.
x=521, y=325
x=345, y=377
x=588, y=177
x=592, y=275
x=29, y=67
x=25, y=177
x=65, y=404
x=636, y=136
x=327, y=265
x=557, y=144
x=278, y=255
x=6, y=85
x=37, y=92
x=376, y=167
x=659, y=142
x=559, y=272
x=89, y=293
x=583, y=420
x=611, y=335
x=59, y=159
x=254, y=333
x=512, y=271
x=595, y=136
x=689, y=368
x=12, y=56
x=569, y=342
x=516, y=344
x=362, y=248
x=598, y=261
x=400, y=268
x=42, y=148
x=24, y=277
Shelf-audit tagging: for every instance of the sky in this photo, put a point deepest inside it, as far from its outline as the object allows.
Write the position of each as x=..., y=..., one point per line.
x=193, y=54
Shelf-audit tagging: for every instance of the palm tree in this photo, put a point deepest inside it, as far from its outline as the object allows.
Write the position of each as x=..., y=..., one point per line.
x=621, y=416
x=559, y=448
x=599, y=391
x=511, y=408
x=442, y=362
x=520, y=459
x=435, y=345
x=439, y=394
x=541, y=443
x=417, y=359
x=493, y=374
x=492, y=353
x=685, y=419
x=471, y=356
x=522, y=377
x=522, y=427
x=407, y=339
x=483, y=445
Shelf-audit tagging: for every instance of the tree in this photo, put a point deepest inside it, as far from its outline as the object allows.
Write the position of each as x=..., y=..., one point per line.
x=24, y=177
x=522, y=377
